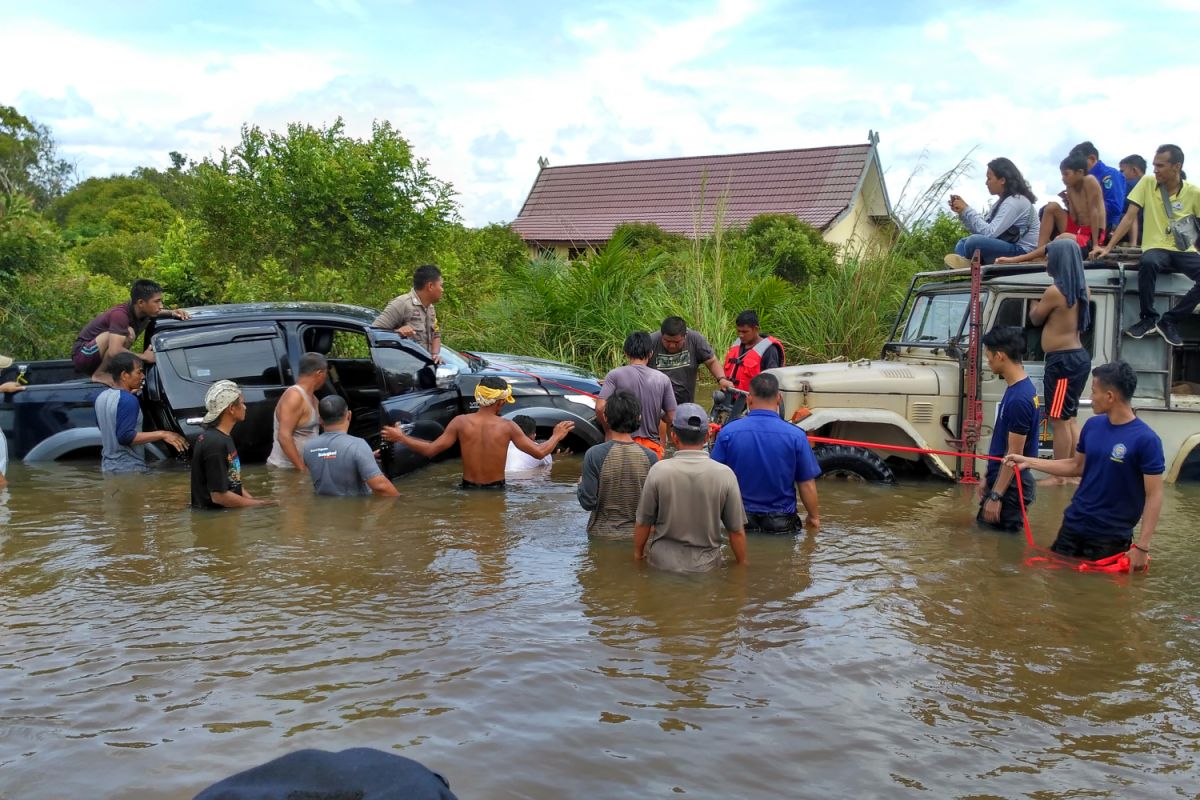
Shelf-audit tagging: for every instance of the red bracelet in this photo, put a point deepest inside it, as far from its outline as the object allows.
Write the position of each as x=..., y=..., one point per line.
x=1139, y=547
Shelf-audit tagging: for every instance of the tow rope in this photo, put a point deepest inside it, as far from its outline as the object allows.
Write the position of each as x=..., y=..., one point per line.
x=1047, y=557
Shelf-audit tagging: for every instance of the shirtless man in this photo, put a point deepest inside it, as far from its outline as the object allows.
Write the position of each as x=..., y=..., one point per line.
x=1064, y=313
x=484, y=437
x=1083, y=216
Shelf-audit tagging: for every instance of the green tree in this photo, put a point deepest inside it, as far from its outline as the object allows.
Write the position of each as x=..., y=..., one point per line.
x=29, y=162
x=326, y=213
x=28, y=243
x=794, y=250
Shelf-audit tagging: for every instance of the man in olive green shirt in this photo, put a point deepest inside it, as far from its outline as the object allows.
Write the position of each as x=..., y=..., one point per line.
x=686, y=501
x=413, y=316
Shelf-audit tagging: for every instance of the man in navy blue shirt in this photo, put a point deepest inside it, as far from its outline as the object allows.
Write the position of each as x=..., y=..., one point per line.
x=1112, y=182
x=772, y=460
x=1015, y=431
x=1122, y=478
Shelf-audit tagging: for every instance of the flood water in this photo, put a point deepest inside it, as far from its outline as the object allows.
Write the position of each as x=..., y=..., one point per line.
x=148, y=650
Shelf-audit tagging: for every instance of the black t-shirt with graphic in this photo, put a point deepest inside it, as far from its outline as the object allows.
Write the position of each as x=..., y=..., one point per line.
x=215, y=468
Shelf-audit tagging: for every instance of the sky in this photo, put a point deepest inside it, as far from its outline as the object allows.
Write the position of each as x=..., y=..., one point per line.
x=483, y=89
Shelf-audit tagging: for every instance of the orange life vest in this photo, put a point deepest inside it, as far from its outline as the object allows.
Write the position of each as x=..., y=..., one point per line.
x=742, y=369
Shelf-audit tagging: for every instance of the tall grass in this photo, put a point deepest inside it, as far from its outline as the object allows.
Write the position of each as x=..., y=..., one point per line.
x=581, y=311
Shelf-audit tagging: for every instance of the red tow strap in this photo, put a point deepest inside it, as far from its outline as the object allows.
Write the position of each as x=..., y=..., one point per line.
x=1046, y=558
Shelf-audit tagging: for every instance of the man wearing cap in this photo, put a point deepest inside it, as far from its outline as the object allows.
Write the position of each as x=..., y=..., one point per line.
x=686, y=501
x=119, y=417
x=413, y=315
x=483, y=436
x=216, y=468
x=772, y=460
x=342, y=465
x=6, y=387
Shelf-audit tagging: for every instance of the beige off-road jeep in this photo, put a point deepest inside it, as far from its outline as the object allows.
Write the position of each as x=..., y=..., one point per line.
x=913, y=395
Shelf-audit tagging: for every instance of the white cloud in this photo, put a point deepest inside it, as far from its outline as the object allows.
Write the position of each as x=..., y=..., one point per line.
x=642, y=88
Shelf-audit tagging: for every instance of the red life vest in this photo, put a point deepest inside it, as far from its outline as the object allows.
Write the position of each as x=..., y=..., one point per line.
x=742, y=369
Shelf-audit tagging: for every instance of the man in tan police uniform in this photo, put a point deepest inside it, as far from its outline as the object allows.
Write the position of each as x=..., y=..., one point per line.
x=412, y=315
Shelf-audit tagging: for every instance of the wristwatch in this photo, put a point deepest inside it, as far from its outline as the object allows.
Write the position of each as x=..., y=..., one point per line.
x=994, y=495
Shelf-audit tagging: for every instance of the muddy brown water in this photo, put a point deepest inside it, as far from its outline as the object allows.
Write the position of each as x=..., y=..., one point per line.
x=148, y=651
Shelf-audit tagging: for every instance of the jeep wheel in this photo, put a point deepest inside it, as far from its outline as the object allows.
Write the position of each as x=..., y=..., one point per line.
x=852, y=463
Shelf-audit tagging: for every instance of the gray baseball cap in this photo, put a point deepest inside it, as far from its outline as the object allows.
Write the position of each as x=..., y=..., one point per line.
x=690, y=417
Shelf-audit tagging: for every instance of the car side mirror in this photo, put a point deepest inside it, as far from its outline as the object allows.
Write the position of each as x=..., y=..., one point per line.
x=446, y=376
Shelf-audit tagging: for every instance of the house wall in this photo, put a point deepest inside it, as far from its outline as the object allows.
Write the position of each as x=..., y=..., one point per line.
x=859, y=231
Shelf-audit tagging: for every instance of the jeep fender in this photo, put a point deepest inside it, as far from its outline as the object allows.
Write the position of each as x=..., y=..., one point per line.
x=875, y=416
x=64, y=442
x=549, y=416
x=1185, y=451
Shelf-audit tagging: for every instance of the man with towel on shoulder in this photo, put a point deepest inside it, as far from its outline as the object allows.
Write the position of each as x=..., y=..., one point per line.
x=1064, y=313
x=483, y=436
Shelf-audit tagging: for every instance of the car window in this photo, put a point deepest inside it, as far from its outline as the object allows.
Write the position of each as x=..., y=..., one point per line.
x=1014, y=311
x=402, y=371
x=251, y=362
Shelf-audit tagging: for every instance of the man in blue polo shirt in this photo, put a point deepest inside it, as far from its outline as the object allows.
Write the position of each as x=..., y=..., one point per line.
x=1112, y=183
x=1121, y=461
x=772, y=460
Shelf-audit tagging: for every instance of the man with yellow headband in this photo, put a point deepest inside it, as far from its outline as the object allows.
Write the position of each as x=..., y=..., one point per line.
x=483, y=437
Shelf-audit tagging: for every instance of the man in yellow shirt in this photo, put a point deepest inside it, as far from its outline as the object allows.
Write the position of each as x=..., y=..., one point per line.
x=1160, y=251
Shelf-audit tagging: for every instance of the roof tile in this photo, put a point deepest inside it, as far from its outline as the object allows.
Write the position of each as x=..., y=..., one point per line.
x=582, y=203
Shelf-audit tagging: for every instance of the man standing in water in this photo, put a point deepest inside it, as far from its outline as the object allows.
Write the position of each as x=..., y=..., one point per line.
x=1121, y=461
x=1064, y=314
x=651, y=387
x=296, y=419
x=216, y=467
x=677, y=352
x=1015, y=430
x=342, y=465
x=686, y=502
x=119, y=417
x=484, y=437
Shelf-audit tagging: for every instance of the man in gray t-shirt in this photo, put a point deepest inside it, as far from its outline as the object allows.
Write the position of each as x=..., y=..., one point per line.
x=677, y=352
x=686, y=502
x=342, y=465
x=651, y=388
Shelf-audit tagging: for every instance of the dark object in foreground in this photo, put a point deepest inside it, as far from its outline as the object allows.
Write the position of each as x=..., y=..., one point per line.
x=360, y=773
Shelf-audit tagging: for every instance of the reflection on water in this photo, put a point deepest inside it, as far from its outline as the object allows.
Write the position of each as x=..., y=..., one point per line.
x=149, y=650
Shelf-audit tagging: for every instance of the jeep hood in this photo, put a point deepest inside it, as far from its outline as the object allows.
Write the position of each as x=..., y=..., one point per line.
x=867, y=377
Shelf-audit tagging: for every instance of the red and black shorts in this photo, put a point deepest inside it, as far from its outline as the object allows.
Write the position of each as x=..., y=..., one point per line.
x=1066, y=374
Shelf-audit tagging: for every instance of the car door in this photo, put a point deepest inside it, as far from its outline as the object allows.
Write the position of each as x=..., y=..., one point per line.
x=252, y=355
x=412, y=395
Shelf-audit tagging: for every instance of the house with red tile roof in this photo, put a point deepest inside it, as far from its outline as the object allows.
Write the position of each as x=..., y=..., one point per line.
x=838, y=190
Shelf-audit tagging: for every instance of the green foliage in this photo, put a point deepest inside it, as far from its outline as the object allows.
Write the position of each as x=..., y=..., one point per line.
x=795, y=250
x=43, y=311
x=646, y=237
x=474, y=264
x=28, y=244
x=927, y=243
x=29, y=162
x=315, y=202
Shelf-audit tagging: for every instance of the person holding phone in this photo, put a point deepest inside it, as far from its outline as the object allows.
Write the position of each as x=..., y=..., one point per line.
x=1011, y=228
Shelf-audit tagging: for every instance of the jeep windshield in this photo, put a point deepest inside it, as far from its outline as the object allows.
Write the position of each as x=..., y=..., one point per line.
x=936, y=319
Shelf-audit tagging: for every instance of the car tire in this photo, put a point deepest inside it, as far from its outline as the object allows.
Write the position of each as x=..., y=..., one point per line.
x=852, y=463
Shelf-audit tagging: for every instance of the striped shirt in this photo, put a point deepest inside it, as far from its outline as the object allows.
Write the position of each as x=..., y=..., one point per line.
x=613, y=475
